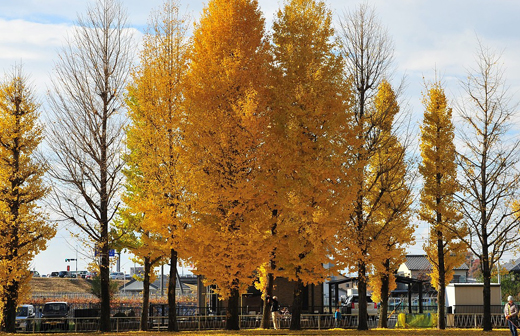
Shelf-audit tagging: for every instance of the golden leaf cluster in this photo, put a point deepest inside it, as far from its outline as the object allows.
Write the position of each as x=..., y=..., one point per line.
x=23, y=224
x=242, y=149
x=439, y=171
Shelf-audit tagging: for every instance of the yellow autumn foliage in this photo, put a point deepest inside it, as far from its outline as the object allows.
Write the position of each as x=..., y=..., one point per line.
x=310, y=130
x=226, y=100
x=444, y=249
x=389, y=198
x=23, y=224
x=155, y=179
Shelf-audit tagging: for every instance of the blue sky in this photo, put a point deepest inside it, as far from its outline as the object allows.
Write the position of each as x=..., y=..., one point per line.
x=428, y=35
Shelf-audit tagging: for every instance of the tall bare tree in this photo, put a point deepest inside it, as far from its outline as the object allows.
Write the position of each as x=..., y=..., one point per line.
x=86, y=132
x=368, y=52
x=488, y=162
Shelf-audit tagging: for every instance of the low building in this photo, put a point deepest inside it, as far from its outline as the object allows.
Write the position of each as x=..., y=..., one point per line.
x=135, y=287
x=419, y=267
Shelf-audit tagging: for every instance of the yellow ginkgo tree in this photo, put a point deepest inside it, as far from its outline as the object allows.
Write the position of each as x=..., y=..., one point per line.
x=438, y=205
x=226, y=102
x=23, y=224
x=309, y=133
x=156, y=196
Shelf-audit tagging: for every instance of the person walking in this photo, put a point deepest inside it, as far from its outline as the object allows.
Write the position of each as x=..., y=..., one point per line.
x=337, y=318
x=511, y=313
x=275, y=312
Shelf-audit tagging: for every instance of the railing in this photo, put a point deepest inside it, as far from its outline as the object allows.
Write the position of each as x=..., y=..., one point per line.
x=474, y=320
x=190, y=323
x=185, y=323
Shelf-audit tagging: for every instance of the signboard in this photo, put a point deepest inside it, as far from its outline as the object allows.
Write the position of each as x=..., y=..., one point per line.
x=111, y=252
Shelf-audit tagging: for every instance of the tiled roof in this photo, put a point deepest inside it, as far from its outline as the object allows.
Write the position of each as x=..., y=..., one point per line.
x=418, y=262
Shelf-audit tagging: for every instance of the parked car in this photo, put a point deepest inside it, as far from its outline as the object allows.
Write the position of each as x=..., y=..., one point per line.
x=90, y=275
x=65, y=274
x=81, y=274
x=55, y=316
x=54, y=275
x=351, y=305
x=117, y=276
x=78, y=274
x=35, y=274
x=25, y=315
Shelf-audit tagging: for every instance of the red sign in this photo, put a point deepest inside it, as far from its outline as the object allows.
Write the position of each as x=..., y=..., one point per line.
x=68, y=268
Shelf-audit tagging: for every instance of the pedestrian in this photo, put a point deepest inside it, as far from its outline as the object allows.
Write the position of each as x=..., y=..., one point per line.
x=275, y=312
x=511, y=313
x=337, y=318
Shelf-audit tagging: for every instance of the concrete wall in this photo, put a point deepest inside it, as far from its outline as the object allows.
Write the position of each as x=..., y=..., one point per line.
x=470, y=294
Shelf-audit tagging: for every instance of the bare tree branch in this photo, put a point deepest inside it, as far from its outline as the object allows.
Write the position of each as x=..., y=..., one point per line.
x=86, y=132
x=488, y=162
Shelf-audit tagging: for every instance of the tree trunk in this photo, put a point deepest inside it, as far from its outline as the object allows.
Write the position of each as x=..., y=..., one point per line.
x=441, y=287
x=383, y=309
x=146, y=294
x=270, y=277
x=172, y=305
x=104, y=281
x=362, y=296
x=266, y=311
x=486, y=272
x=232, y=313
x=297, y=306
x=9, y=310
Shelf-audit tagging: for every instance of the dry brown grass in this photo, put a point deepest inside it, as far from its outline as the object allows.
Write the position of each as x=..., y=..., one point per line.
x=63, y=285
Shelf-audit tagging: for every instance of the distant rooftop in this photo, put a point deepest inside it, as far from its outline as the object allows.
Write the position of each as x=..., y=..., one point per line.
x=512, y=266
x=419, y=262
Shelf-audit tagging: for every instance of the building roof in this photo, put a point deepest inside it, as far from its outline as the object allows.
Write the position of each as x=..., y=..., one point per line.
x=512, y=266
x=419, y=262
x=136, y=285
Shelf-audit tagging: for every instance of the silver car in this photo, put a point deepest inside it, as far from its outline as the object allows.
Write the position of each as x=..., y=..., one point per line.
x=25, y=315
x=117, y=276
x=351, y=305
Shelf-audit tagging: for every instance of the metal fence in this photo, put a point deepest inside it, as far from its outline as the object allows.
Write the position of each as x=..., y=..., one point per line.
x=185, y=323
x=459, y=320
x=200, y=322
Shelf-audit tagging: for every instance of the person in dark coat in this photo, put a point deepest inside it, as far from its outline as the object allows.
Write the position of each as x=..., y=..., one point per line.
x=275, y=312
x=511, y=314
